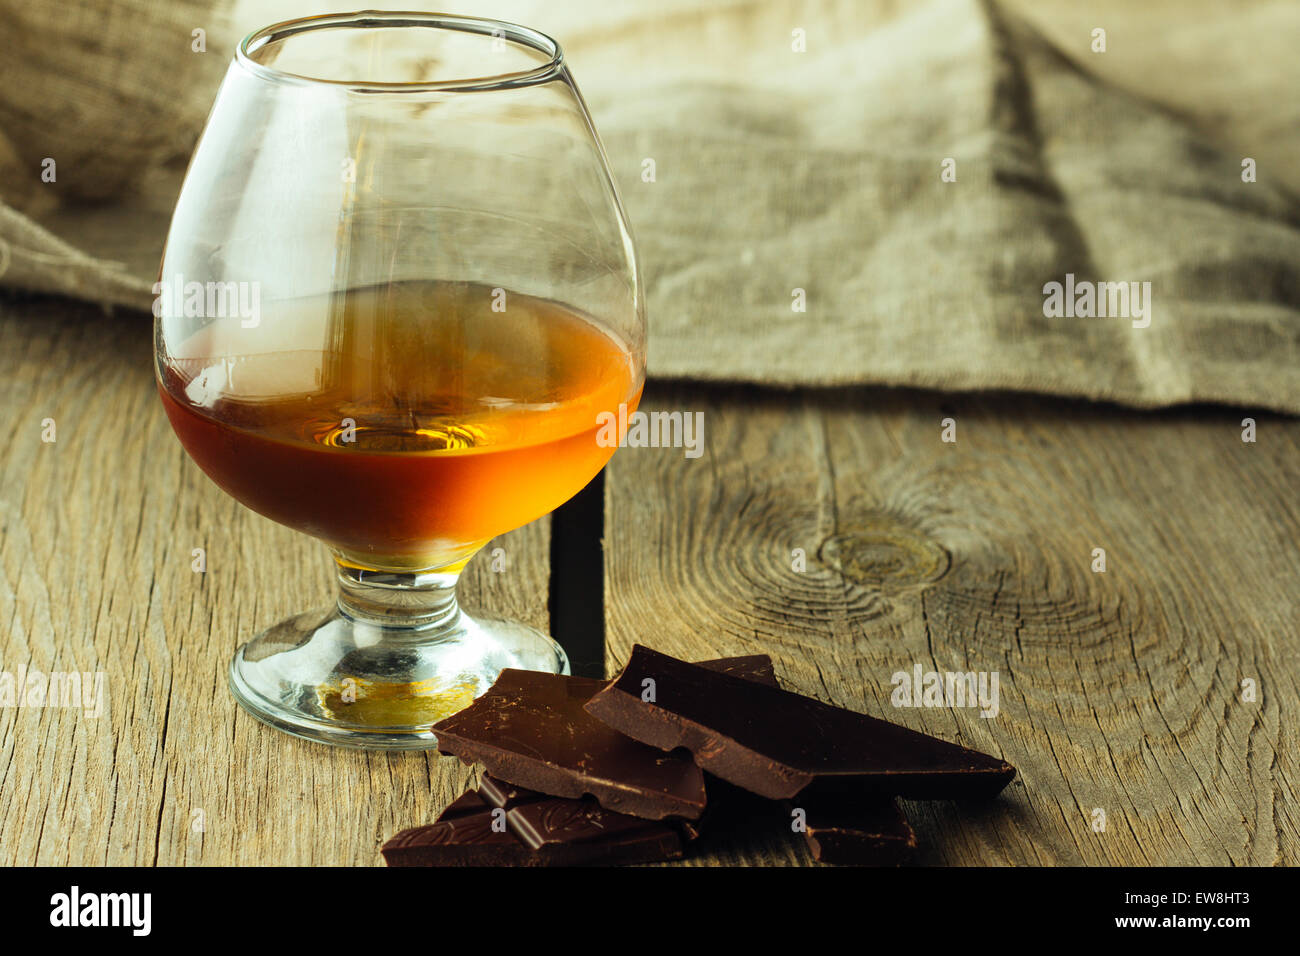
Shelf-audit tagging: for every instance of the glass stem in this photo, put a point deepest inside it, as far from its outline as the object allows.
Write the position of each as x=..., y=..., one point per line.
x=419, y=600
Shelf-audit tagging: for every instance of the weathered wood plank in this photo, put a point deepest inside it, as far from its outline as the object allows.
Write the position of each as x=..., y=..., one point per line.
x=1118, y=690
x=95, y=574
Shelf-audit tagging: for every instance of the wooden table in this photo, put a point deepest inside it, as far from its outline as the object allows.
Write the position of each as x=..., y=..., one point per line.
x=1120, y=691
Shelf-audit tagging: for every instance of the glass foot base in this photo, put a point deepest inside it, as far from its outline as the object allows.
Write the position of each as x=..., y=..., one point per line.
x=329, y=677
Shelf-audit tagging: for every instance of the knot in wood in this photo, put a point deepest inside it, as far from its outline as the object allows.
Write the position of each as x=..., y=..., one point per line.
x=886, y=556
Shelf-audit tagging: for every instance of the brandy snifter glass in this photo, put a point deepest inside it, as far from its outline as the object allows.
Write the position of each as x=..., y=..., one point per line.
x=398, y=309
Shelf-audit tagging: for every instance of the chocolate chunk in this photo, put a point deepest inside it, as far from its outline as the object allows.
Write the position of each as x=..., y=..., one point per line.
x=507, y=796
x=726, y=803
x=531, y=730
x=753, y=667
x=467, y=833
x=870, y=832
x=502, y=825
x=573, y=832
x=782, y=745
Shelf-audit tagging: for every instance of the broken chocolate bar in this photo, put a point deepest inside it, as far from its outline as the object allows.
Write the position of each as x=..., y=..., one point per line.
x=782, y=745
x=753, y=667
x=573, y=832
x=467, y=833
x=507, y=796
x=870, y=832
x=531, y=730
x=502, y=825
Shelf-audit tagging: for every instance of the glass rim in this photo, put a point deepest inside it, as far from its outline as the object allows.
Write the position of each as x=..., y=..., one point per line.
x=511, y=32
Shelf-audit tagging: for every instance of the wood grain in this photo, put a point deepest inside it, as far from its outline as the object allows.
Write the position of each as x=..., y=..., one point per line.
x=95, y=574
x=1118, y=690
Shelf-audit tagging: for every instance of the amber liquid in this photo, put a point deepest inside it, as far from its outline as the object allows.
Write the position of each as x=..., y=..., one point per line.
x=404, y=426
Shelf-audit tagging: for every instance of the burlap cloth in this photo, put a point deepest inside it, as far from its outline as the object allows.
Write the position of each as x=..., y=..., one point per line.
x=776, y=169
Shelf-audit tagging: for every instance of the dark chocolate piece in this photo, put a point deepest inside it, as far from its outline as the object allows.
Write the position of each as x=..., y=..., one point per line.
x=572, y=832
x=782, y=745
x=502, y=825
x=507, y=796
x=725, y=802
x=531, y=730
x=467, y=833
x=868, y=832
x=752, y=667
